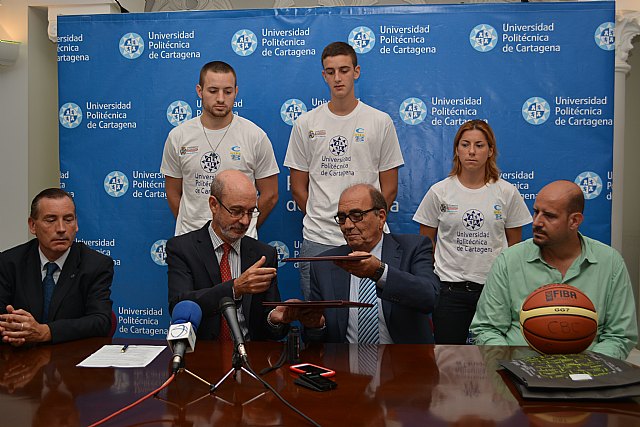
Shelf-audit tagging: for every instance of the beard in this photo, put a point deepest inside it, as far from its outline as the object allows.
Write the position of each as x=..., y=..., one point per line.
x=219, y=113
x=233, y=232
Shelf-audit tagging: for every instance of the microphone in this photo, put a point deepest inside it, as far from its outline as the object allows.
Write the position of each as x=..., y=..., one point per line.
x=182, y=332
x=230, y=313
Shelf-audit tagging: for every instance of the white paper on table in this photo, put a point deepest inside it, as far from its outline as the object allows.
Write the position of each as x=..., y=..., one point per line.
x=112, y=356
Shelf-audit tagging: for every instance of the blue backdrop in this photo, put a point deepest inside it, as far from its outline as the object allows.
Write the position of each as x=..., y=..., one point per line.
x=541, y=74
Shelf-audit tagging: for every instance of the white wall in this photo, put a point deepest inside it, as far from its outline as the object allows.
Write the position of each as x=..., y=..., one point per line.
x=14, y=173
x=631, y=210
x=28, y=112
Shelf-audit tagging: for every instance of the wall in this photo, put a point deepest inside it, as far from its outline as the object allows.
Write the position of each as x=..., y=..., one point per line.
x=631, y=210
x=28, y=112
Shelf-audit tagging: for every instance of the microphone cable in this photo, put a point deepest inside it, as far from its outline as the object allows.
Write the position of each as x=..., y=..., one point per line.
x=137, y=402
x=282, y=399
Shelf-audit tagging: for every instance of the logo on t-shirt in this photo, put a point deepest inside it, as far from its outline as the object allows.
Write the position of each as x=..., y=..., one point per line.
x=188, y=150
x=338, y=145
x=210, y=161
x=448, y=208
x=317, y=133
x=497, y=211
x=235, y=153
x=473, y=219
x=358, y=135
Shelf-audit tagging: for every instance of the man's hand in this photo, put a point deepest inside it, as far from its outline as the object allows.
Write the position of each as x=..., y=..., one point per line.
x=363, y=268
x=255, y=279
x=309, y=317
x=19, y=327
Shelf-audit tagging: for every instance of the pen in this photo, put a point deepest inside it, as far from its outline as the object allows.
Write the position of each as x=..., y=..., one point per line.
x=124, y=348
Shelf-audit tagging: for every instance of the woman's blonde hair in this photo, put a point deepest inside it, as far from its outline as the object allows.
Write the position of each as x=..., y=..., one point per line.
x=491, y=171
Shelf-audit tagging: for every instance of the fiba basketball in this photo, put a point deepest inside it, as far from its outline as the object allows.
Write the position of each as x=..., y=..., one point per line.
x=558, y=319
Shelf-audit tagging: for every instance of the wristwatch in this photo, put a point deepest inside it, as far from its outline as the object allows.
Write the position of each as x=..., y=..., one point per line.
x=379, y=272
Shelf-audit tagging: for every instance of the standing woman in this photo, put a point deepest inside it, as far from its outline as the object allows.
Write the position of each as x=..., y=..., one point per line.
x=475, y=215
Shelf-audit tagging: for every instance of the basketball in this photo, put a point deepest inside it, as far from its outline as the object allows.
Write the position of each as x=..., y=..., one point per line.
x=558, y=319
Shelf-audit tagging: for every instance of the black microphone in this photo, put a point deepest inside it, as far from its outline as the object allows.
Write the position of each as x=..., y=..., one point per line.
x=182, y=332
x=230, y=313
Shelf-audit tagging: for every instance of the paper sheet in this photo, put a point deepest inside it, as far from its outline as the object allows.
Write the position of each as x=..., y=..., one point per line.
x=135, y=356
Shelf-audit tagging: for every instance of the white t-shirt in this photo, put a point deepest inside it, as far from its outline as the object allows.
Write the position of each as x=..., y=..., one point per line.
x=188, y=155
x=471, y=225
x=337, y=152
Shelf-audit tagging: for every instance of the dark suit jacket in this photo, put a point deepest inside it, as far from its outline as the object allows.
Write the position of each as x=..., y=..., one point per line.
x=194, y=274
x=408, y=296
x=80, y=305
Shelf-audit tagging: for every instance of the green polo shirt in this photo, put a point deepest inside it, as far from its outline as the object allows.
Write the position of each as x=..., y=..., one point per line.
x=599, y=272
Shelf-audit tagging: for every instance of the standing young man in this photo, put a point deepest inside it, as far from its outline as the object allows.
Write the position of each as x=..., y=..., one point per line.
x=200, y=148
x=334, y=146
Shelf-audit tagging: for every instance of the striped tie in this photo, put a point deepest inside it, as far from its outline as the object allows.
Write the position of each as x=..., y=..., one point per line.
x=368, y=316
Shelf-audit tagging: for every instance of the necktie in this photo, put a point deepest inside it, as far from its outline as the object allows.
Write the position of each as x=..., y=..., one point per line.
x=48, y=284
x=367, y=317
x=367, y=359
x=225, y=274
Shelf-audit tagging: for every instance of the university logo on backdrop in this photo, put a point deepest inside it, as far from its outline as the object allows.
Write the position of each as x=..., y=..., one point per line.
x=413, y=111
x=158, y=252
x=244, y=42
x=116, y=184
x=70, y=115
x=131, y=45
x=291, y=110
x=178, y=112
x=282, y=250
x=590, y=183
x=536, y=110
x=362, y=39
x=483, y=37
x=605, y=36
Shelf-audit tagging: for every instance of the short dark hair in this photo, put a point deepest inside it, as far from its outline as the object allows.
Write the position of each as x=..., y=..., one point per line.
x=49, y=193
x=339, y=48
x=217, y=67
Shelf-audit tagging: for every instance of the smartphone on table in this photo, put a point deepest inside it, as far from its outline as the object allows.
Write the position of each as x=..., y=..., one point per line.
x=310, y=368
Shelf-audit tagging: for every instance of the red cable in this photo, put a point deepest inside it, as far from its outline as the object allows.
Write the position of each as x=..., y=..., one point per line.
x=142, y=399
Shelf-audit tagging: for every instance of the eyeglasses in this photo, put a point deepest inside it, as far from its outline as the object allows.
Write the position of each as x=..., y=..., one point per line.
x=237, y=213
x=354, y=216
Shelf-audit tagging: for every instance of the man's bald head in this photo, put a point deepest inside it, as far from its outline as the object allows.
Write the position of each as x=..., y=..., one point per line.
x=566, y=191
x=231, y=181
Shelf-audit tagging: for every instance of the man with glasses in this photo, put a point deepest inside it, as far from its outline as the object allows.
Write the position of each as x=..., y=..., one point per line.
x=396, y=277
x=219, y=261
x=338, y=144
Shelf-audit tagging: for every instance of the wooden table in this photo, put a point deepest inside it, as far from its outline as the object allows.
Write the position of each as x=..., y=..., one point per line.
x=413, y=385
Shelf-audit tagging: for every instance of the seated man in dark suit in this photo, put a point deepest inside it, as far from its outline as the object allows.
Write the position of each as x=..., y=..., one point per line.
x=397, y=278
x=53, y=289
x=219, y=261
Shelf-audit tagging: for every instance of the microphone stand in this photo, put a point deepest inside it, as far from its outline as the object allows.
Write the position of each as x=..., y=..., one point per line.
x=236, y=365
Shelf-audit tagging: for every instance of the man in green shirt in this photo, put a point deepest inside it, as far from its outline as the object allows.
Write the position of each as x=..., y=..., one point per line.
x=558, y=253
